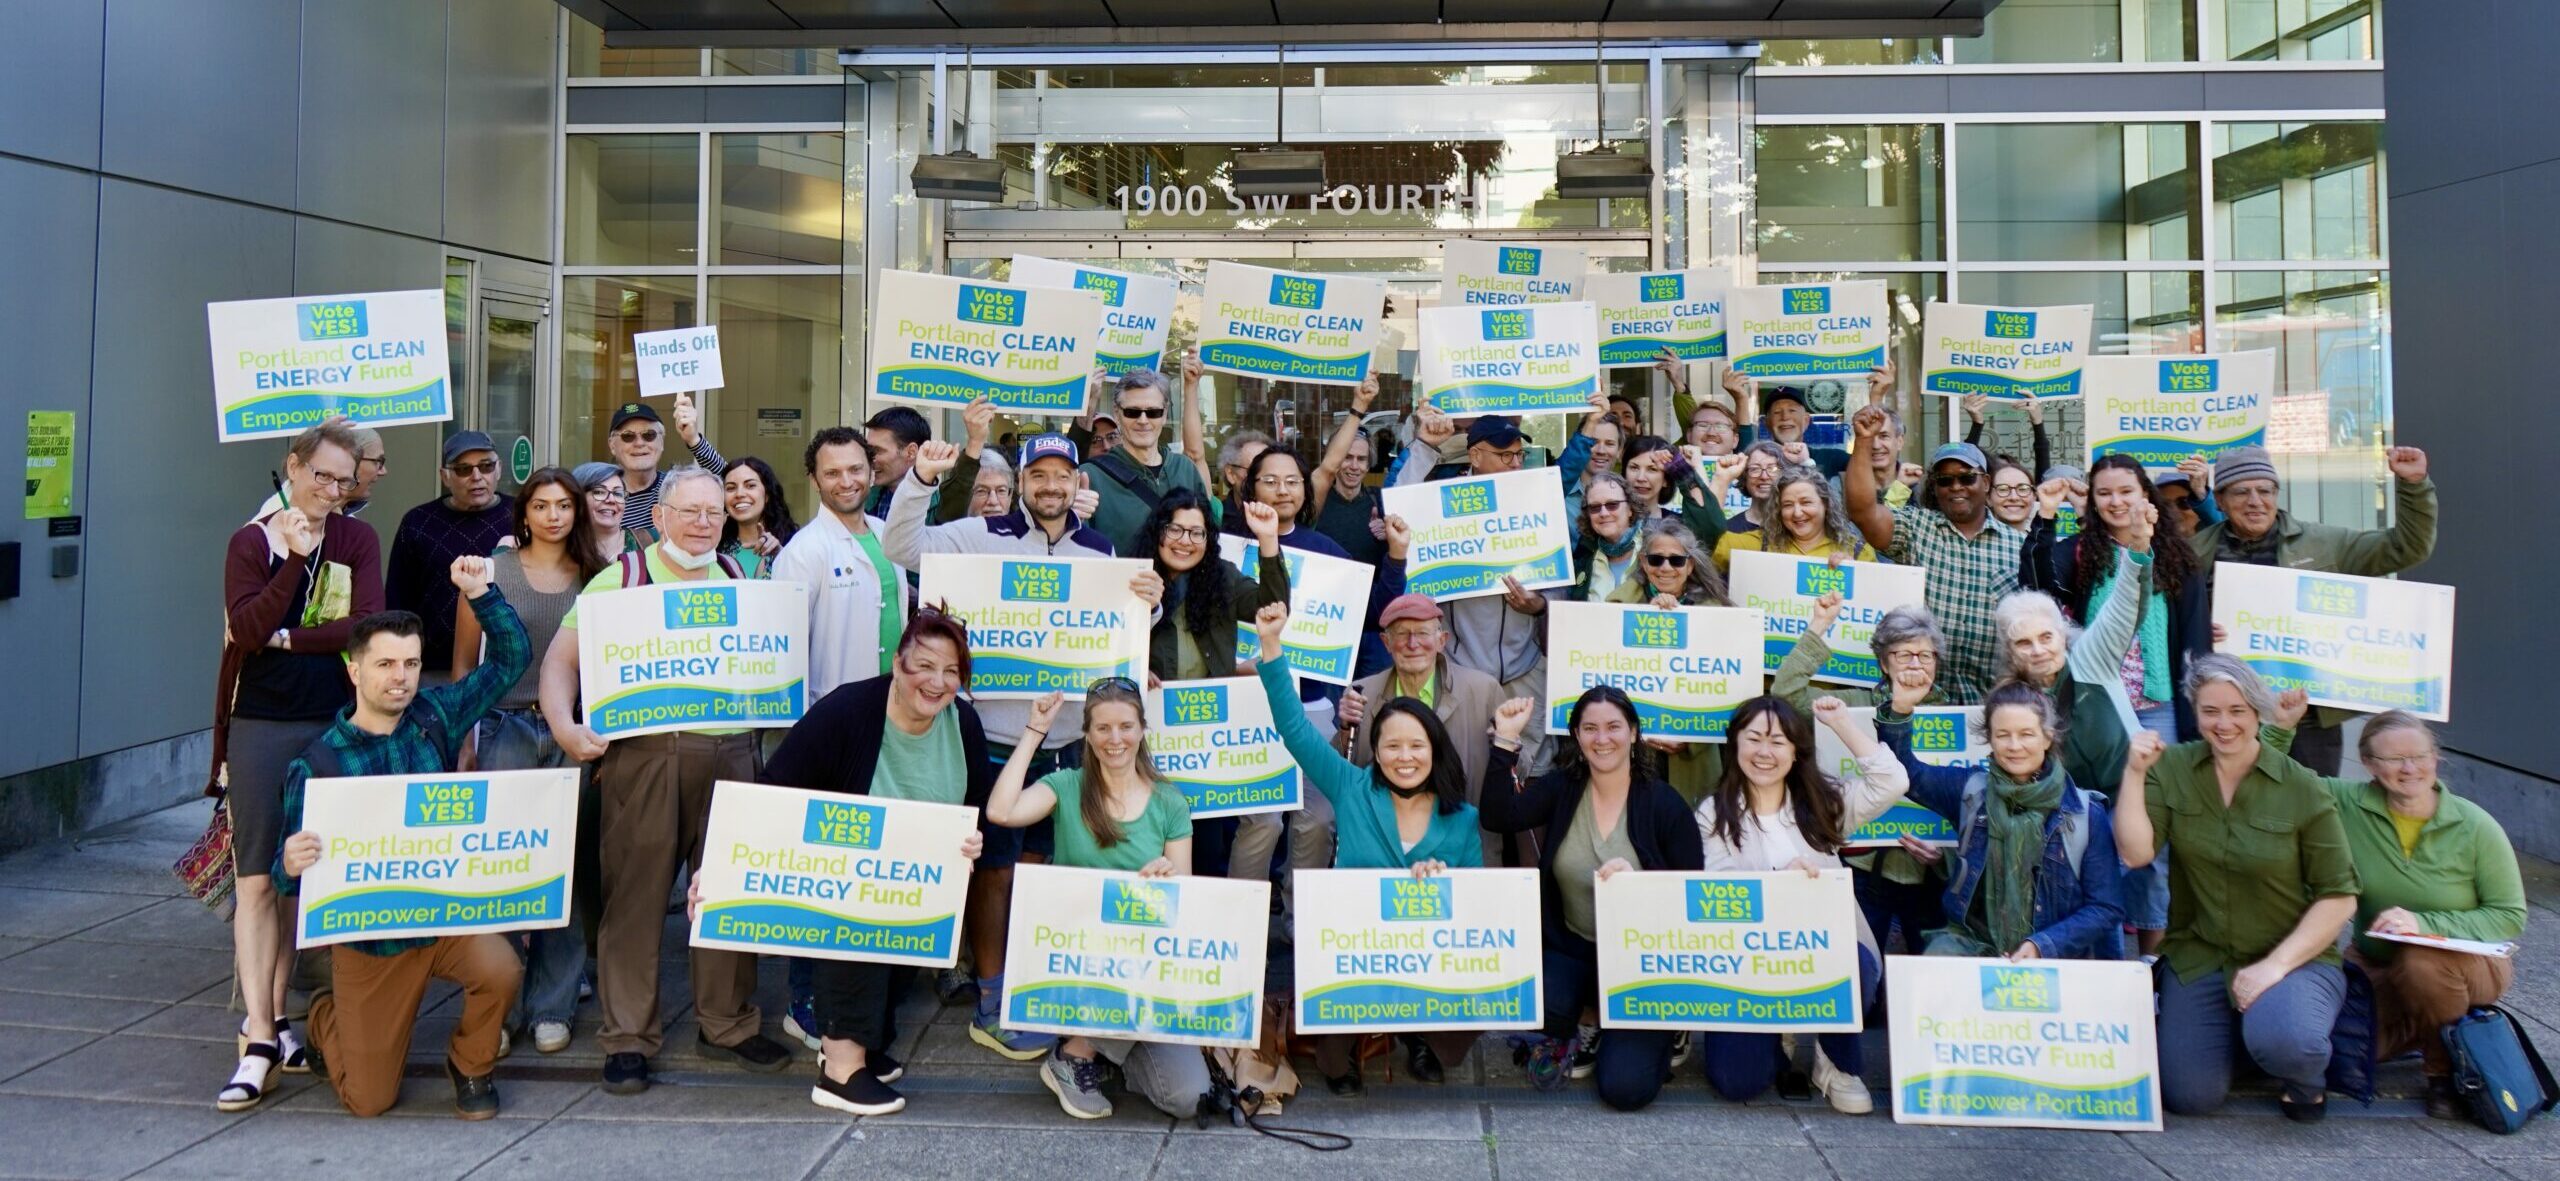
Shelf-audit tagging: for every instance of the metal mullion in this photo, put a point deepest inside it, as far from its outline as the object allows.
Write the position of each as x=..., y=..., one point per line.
x=1950, y=254
x=2129, y=266
x=2208, y=251
x=810, y=128
x=1994, y=118
x=556, y=332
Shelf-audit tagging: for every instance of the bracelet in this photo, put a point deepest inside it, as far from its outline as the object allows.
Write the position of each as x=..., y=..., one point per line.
x=1029, y=730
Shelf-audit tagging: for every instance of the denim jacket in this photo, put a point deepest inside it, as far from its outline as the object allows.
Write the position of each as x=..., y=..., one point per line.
x=2075, y=917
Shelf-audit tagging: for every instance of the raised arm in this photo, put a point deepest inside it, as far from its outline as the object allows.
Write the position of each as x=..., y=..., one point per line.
x=1507, y=801
x=2136, y=821
x=1329, y=773
x=2099, y=653
x=1939, y=789
x=510, y=650
x=1430, y=429
x=1011, y=804
x=1793, y=682
x=902, y=536
x=688, y=426
x=2412, y=536
x=1880, y=781
x=1858, y=481
x=1339, y=446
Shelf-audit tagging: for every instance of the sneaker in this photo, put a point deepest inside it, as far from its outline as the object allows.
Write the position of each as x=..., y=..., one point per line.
x=863, y=1094
x=802, y=1022
x=2303, y=1111
x=1077, y=1083
x=550, y=1037
x=1586, y=1051
x=506, y=1042
x=625, y=1074
x=758, y=1053
x=889, y=1069
x=1679, y=1049
x=1549, y=1063
x=987, y=1029
x=473, y=1098
x=954, y=986
x=1846, y=1092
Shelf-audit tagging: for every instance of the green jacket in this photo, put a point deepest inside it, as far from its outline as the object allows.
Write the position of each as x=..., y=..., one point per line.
x=1123, y=508
x=2461, y=882
x=2336, y=549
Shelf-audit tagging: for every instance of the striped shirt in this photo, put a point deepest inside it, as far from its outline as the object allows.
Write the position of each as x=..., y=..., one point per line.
x=638, y=503
x=1968, y=576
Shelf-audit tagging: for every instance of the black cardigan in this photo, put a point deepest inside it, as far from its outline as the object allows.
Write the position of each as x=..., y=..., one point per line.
x=836, y=745
x=2050, y=565
x=1659, y=825
x=1238, y=599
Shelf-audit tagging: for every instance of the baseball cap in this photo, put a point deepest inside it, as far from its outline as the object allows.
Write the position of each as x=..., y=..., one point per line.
x=1409, y=606
x=1771, y=395
x=629, y=411
x=1499, y=430
x=1040, y=447
x=464, y=443
x=1964, y=453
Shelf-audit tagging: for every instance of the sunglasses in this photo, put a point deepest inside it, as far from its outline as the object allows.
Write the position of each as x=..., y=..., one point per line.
x=486, y=467
x=1106, y=684
x=1602, y=506
x=1666, y=559
x=638, y=436
x=1142, y=412
x=1957, y=479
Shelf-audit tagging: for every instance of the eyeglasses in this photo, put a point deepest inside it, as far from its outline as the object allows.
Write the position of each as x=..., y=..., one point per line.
x=1603, y=506
x=1142, y=412
x=486, y=467
x=1957, y=479
x=331, y=481
x=1412, y=635
x=2012, y=490
x=638, y=436
x=1912, y=659
x=381, y=463
x=1666, y=559
x=608, y=493
x=2400, y=762
x=1185, y=533
x=699, y=516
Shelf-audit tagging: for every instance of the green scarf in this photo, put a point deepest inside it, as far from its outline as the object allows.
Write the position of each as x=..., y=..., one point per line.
x=2005, y=896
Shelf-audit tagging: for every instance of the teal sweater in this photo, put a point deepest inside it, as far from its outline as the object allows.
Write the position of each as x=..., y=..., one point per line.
x=1364, y=824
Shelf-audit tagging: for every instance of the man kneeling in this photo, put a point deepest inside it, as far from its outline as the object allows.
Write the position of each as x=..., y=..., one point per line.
x=360, y=1027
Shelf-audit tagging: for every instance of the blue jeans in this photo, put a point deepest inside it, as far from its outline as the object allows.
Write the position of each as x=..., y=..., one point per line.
x=555, y=957
x=2286, y=1032
x=1632, y=1064
x=1742, y=1065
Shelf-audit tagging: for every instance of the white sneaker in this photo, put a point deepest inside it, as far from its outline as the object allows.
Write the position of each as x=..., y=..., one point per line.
x=506, y=1042
x=1679, y=1049
x=550, y=1037
x=1846, y=1092
x=808, y=1037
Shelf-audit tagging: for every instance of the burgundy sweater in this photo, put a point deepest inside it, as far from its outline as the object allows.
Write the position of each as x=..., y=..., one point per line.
x=260, y=594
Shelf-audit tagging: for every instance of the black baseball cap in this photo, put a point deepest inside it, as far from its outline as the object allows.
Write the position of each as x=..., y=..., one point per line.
x=1771, y=395
x=632, y=410
x=1499, y=430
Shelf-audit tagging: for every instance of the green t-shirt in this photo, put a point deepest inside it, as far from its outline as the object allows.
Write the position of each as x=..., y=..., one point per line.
x=610, y=579
x=928, y=768
x=1584, y=851
x=1167, y=819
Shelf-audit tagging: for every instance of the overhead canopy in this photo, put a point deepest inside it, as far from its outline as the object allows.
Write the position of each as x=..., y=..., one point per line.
x=858, y=24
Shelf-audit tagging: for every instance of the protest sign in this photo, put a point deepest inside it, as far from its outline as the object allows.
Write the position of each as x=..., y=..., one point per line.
x=1475, y=273
x=1108, y=954
x=1685, y=669
x=1744, y=952
x=1042, y=624
x=1214, y=740
x=941, y=341
x=1784, y=587
x=280, y=365
x=677, y=360
x=1941, y=736
x=2008, y=354
x=2160, y=410
x=1806, y=330
x=2366, y=644
x=1469, y=533
x=833, y=876
x=1382, y=951
x=1289, y=326
x=2043, y=1044
x=1516, y=360
x=693, y=655
x=421, y=856
x=1328, y=605
x=1137, y=310
x=1642, y=314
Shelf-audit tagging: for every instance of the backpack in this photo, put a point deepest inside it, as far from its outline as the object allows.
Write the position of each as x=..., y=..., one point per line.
x=2075, y=825
x=325, y=762
x=1125, y=473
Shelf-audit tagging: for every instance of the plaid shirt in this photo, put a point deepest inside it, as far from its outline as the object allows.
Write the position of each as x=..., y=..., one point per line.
x=1967, y=578
x=409, y=749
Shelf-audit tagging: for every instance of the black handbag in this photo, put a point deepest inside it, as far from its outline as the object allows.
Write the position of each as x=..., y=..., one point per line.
x=2497, y=1072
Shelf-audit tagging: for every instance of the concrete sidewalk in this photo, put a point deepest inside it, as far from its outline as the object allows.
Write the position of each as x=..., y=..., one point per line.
x=115, y=1032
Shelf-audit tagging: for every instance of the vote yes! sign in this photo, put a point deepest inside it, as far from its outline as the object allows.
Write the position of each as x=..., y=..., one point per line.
x=709, y=654
x=1751, y=952
x=409, y=856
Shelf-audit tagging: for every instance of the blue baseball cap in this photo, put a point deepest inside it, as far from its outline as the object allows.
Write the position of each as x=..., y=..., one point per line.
x=1040, y=447
x=1964, y=453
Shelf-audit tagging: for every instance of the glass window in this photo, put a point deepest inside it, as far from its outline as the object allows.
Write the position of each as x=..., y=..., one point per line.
x=589, y=58
x=2331, y=332
x=599, y=317
x=772, y=62
x=632, y=199
x=2031, y=31
x=1848, y=193
x=780, y=199
x=1891, y=51
x=2135, y=312
x=2076, y=191
x=1906, y=294
x=2297, y=30
x=782, y=346
x=2298, y=191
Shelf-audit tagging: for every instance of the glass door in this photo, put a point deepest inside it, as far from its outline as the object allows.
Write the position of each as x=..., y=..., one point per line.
x=507, y=385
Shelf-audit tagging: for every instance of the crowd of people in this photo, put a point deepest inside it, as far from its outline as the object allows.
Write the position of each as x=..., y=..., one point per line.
x=2071, y=607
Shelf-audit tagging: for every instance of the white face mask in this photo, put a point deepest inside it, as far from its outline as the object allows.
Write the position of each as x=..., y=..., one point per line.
x=678, y=558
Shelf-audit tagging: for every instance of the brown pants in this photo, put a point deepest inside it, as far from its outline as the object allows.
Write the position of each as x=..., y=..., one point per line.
x=655, y=794
x=2423, y=990
x=362, y=1024
x=1333, y=1050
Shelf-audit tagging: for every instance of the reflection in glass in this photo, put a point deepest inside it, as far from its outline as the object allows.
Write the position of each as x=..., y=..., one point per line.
x=2030, y=31
x=2298, y=30
x=2077, y=191
x=2331, y=332
x=1891, y=51
x=781, y=198
x=782, y=351
x=1848, y=193
x=599, y=316
x=2137, y=312
x=2298, y=191
x=589, y=57
x=632, y=199
x=771, y=62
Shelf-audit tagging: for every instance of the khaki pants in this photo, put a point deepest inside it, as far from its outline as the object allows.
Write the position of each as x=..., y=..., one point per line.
x=655, y=794
x=362, y=1024
x=2422, y=990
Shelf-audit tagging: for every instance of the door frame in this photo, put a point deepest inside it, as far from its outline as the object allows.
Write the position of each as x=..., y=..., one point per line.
x=523, y=289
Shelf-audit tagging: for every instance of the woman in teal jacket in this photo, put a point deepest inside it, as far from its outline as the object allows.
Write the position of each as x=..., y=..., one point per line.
x=1407, y=810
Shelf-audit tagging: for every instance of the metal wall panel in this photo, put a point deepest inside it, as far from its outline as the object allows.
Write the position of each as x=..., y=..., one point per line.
x=205, y=97
x=50, y=60
x=497, y=137
x=48, y=252
x=373, y=85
